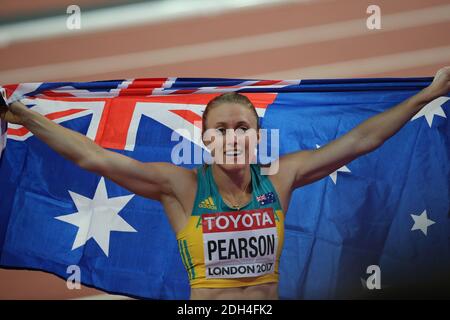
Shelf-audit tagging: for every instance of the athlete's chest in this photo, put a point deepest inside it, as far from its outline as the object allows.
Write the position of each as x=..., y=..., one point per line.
x=235, y=244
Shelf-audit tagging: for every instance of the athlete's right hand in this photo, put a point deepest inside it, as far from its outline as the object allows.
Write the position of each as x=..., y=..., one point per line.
x=8, y=115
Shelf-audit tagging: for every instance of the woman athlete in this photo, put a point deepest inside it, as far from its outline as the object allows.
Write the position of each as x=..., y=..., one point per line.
x=227, y=216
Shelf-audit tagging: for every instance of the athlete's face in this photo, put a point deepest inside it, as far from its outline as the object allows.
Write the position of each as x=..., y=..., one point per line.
x=231, y=135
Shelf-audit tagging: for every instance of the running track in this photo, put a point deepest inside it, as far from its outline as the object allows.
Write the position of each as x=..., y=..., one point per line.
x=302, y=40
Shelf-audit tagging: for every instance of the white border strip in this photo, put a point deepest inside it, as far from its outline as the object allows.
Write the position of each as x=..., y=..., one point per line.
x=126, y=15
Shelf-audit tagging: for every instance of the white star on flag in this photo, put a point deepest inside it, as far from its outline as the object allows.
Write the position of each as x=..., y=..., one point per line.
x=431, y=109
x=333, y=175
x=422, y=222
x=97, y=217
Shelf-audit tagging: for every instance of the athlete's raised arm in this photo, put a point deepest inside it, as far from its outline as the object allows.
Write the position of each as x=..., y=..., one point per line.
x=303, y=167
x=152, y=180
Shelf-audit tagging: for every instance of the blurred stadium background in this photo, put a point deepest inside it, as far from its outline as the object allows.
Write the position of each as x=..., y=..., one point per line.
x=265, y=39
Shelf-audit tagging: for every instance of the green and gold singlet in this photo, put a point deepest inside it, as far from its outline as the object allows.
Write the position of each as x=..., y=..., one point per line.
x=222, y=247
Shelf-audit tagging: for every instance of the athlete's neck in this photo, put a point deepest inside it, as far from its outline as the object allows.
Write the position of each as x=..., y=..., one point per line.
x=234, y=182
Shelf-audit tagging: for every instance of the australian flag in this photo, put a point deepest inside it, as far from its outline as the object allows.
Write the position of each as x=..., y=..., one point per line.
x=378, y=223
x=266, y=198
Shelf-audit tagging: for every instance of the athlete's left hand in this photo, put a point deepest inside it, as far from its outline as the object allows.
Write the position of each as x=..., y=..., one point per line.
x=441, y=83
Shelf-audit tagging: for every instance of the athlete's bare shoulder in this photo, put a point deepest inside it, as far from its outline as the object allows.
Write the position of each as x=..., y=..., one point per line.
x=280, y=180
x=182, y=180
x=179, y=202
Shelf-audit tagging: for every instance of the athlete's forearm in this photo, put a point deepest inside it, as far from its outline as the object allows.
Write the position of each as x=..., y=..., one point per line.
x=376, y=130
x=68, y=143
x=381, y=127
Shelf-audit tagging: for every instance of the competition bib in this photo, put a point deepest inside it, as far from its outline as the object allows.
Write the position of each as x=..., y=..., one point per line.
x=240, y=243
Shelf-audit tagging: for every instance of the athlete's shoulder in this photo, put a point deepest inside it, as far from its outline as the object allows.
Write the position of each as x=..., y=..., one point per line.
x=183, y=184
x=200, y=170
x=269, y=169
x=172, y=170
x=276, y=172
x=179, y=177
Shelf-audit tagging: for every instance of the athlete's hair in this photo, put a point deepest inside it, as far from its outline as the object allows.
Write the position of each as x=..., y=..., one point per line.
x=229, y=97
